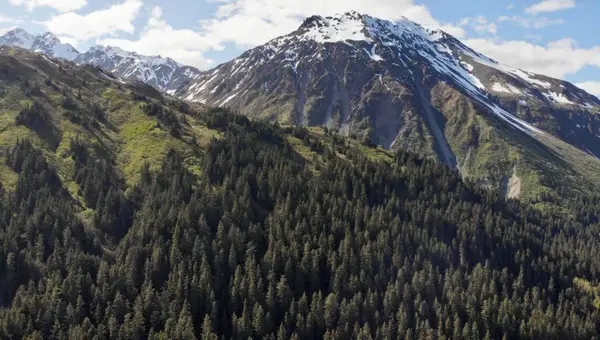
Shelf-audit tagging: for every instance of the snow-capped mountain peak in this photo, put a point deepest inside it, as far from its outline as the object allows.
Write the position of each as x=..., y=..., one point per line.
x=48, y=36
x=18, y=37
x=154, y=70
x=46, y=43
x=347, y=26
x=49, y=44
x=113, y=51
x=110, y=50
x=353, y=26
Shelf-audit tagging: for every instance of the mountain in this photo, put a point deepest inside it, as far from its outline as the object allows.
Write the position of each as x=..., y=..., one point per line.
x=50, y=45
x=128, y=214
x=18, y=37
x=52, y=102
x=403, y=86
x=46, y=43
x=164, y=74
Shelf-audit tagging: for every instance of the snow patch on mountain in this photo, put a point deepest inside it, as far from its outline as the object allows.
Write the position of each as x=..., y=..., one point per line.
x=50, y=61
x=372, y=54
x=19, y=38
x=228, y=99
x=163, y=73
x=516, y=73
x=49, y=44
x=506, y=88
x=558, y=97
x=46, y=43
x=467, y=66
x=331, y=30
x=529, y=78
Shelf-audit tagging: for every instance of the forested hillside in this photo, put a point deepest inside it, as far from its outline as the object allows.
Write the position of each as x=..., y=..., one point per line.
x=125, y=214
x=260, y=245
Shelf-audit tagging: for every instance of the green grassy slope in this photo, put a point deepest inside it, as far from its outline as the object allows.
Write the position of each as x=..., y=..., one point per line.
x=113, y=121
x=86, y=104
x=488, y=151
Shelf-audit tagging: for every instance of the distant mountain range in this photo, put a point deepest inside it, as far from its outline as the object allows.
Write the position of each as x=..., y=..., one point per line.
x=163, y=73
x=395, y=84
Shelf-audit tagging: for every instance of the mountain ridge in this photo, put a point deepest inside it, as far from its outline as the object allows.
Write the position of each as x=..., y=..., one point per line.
x=164, y=74
x=399, y=85
x=18, y=37
x=404, y=86
x=45, y=43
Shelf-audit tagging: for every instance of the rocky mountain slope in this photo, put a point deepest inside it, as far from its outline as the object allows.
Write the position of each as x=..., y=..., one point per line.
x=403, y=86
x=55, y=103
x=164, y=74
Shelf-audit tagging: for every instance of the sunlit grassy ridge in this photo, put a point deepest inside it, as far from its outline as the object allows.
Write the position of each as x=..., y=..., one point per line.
x=130, y=125
x=125, y=136
x=112, y=120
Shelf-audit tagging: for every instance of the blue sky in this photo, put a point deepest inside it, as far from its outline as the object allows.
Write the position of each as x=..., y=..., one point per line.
x=554, y=37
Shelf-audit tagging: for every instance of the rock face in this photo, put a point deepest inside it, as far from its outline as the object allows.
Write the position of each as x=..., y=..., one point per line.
x=402, y=85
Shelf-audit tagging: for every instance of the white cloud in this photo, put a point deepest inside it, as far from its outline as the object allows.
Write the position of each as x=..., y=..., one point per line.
x=510, y=6
x=7, y=19
x=4, y=30
x=564, y=44
x=4, y=19
x=545, y=22
x=184, y=45
x=557, y=59
x=592, y=87
x=534, y=37
x=480, y=24
x=60, y=5
x=68, y=40
x=116, y=18
x=550, y=6
x=535, y=22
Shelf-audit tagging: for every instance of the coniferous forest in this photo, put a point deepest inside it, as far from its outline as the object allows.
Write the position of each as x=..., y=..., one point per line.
x=263, y=247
